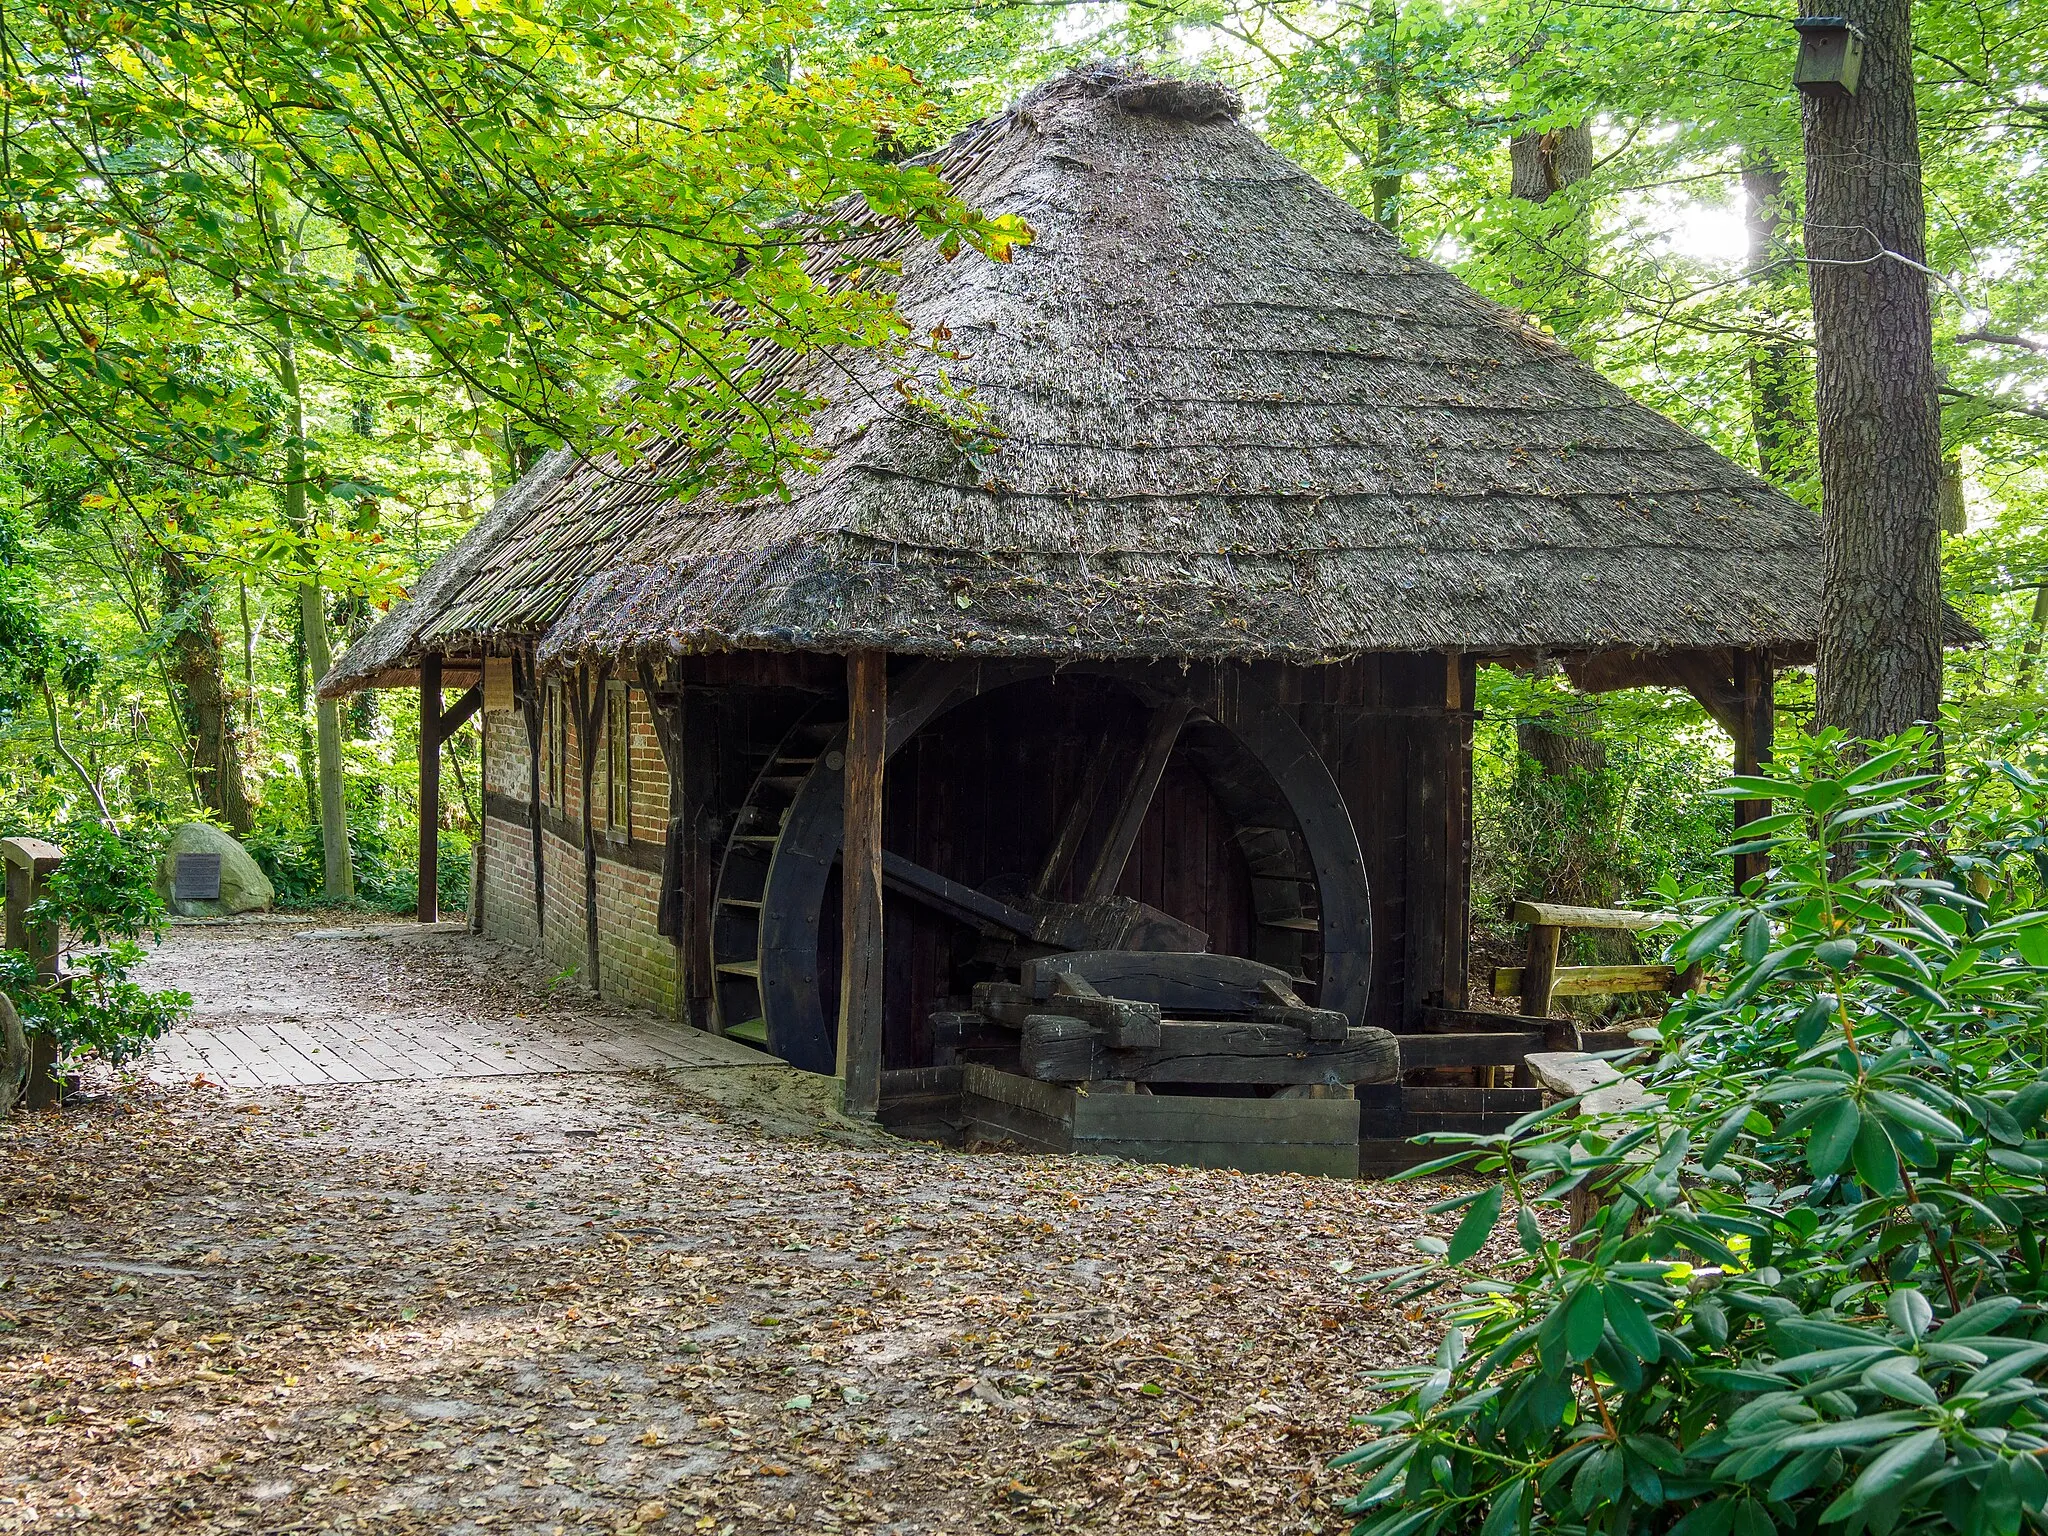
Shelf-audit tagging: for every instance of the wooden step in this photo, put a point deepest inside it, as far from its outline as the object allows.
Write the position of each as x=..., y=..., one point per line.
x=748, y=968
x=752, y=1032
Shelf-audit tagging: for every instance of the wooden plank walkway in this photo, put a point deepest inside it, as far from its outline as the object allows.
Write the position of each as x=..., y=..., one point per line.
x=286, y=1052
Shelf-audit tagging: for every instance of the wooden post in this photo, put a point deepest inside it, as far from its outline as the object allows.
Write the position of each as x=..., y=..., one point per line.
x=707, y=721
x=1755, y=721
x=430, y=789
x=589, y=696
x=1539, y=969
x=29, y=862
x=860, y=971
x=1460, y=683
x=531, y=703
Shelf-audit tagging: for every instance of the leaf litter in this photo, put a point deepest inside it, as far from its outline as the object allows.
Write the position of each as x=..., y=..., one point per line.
x=617, y=1302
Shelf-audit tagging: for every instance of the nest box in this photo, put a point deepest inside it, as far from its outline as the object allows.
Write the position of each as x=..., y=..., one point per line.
x=1830, y=56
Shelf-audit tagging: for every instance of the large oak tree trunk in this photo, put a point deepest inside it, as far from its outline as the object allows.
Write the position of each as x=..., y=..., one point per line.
x=1874, y=389
x=196, y=668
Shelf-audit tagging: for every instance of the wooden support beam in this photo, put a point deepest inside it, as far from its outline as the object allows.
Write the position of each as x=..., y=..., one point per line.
x=1755, y=721
x=954, y=899
x=1504, y=1048
x=860, y=973
x=1066, y=842
x=1559, y=916
x=1160, y=738
x=457, y=716
x=587, y=689
x=1536, y=983
x=429, y=908
x=1586, y=981
x=1060, y=1048
x=526, y=687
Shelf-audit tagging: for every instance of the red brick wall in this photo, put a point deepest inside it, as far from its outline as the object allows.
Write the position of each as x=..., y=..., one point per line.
x=635, y=964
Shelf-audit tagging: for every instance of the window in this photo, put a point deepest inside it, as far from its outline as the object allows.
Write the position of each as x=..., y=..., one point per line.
x=555, y=742
x=618, y=750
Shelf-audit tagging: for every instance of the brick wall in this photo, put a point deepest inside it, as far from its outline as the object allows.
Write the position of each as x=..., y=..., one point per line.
x=508, y=882
x=505, y=754
x=650, y=775
x=635, y=964
x=508, y=846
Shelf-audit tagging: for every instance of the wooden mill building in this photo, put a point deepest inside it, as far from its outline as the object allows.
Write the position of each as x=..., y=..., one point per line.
x=1174, y=658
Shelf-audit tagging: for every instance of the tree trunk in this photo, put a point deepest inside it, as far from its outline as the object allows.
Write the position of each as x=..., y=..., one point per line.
x=1567, y=788
x=338, y=881
x=1779, y=414
x=1387, y=180
x=197, y=673
x=1874, y=390
x=1541, y=164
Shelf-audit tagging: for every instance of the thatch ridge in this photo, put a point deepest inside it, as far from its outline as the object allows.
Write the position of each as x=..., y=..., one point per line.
x=1229, y=417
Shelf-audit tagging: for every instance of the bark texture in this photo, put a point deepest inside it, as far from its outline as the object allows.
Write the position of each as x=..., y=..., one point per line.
x=1874, y=389
x=1386, y=181
x=1543, y=163
x=196, y=667
x=1780, y=408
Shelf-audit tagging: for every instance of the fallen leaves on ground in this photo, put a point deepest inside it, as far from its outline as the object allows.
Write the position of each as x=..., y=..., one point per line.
x=602, y=1302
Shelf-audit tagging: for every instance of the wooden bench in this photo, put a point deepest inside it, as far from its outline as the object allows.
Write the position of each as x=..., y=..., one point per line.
x=1540, y=980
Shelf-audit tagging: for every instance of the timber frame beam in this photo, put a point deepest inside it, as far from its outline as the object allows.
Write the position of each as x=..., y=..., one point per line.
x=860, y=973
x=436, y=726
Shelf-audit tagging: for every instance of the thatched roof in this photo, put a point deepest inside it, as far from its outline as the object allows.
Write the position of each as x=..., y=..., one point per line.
x=1232, y=418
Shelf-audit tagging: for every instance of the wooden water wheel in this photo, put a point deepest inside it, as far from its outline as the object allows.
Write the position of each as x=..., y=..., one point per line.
x=1291, y=860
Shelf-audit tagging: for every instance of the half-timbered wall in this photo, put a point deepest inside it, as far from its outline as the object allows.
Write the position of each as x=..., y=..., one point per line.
x=636, y=965
x=508, y=911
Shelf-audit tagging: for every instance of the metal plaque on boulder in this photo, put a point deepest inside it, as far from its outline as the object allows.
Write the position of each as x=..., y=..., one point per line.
x=196, y=877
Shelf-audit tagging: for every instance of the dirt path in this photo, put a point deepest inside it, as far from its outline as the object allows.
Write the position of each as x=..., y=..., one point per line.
x=614, y=1302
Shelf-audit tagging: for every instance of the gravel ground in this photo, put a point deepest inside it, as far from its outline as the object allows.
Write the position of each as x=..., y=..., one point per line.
x=661, y=1302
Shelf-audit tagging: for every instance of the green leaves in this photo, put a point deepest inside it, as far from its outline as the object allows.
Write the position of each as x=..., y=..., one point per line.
x=1828, y=1148
x=1819, y=1266
x=1476, y=1227
x=1900, y=1463
x=1585, y=1316
x=590, y=230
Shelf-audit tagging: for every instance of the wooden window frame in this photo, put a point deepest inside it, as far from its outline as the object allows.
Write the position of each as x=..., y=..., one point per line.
x=618, y=759
x=555, y=744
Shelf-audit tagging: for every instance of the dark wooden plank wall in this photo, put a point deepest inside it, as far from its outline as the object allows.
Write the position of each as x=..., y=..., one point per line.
x=976, y=797
x=1402, y=758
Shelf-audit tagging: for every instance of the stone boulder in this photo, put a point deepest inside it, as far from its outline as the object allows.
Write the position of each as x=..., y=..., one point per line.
x=243, y=885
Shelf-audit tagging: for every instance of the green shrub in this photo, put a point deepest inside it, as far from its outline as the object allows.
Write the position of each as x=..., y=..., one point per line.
x=103, y=898
x=385, y=860
x=1811, y=1294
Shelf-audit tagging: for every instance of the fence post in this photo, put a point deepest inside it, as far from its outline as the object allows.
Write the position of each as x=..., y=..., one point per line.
x=29, y=862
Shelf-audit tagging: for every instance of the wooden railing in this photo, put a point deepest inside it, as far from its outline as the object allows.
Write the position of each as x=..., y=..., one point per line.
x=1540, y=980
